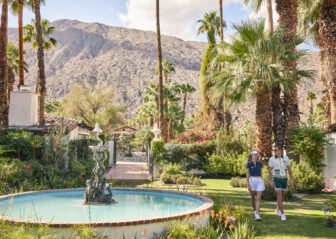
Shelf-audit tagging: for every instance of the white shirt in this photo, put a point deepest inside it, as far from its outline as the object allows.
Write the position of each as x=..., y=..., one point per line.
x=279, y=166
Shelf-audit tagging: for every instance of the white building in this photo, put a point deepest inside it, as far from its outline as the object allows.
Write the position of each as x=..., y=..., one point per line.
x=330, y=159
x=23, y=114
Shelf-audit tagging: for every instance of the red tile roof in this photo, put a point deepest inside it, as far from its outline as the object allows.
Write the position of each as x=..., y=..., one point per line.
x=52, y=121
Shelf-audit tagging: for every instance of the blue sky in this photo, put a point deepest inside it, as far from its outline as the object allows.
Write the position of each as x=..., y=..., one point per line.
x=178, y=17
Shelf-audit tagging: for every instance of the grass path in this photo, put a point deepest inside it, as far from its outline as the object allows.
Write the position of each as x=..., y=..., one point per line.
x=304, y=215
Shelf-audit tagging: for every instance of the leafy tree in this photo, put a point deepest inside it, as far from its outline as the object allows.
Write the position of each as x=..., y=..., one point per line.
x=210, y=24
x=93, y=104
x=54, y=107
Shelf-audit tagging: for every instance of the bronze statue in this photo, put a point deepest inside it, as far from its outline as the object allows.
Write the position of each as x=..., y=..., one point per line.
x=95, y=191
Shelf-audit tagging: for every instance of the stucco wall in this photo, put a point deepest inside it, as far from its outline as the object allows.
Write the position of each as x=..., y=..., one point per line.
x=330, y=161
x=23, y=108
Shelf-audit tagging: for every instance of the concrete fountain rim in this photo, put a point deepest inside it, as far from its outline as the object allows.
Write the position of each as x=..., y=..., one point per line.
x=204, y=208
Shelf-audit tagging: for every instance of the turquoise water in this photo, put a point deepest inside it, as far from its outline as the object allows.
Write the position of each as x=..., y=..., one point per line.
x=66, y=206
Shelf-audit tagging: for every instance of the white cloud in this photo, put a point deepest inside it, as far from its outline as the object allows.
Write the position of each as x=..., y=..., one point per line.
x=177, y=17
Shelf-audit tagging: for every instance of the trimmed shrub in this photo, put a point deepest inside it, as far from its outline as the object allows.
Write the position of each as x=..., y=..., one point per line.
x=231, y=164
x=189, y=156
x=158, y=148
x=238, y=182
x=173, y=174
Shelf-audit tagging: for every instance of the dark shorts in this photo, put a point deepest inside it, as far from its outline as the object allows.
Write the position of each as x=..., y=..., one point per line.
x=280, y=183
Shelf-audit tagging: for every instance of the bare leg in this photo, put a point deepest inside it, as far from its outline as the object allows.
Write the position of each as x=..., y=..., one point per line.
x=279, y=200
x=283, y=199
x=258, y=201
x=253, y=200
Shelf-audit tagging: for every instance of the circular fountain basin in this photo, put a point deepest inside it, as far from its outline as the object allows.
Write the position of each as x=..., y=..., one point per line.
x=136, y=210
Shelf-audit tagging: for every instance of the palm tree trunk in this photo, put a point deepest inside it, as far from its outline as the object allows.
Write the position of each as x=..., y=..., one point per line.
x=20, y=29
x=278, y=121
x=11, y=80
x=270, y=15
x=3, y=66
x=184, y=107
x=264, y=122
x=159, y=54
x=221, y=20
x=325, y=97
x=287, y=10
x=327, y=41
x=40, y=59
x=170, y=130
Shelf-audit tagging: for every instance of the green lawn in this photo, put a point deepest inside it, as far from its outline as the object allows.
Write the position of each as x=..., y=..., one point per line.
x=304, y=215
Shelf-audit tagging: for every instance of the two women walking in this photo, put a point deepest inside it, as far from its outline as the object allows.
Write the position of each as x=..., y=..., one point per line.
x=278, y=166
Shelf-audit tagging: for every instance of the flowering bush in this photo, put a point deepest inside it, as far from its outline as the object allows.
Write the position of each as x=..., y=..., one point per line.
x=196, y=136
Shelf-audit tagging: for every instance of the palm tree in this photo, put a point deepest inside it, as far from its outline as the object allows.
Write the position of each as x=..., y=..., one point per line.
x=186, y=89
x=17, y=9
x=211, y=25
x=310, y=97
x=13, y=60
x=256, y=5
x=167, y=68
x=253, y=71
x=318, y=18
x=287, y=10
x=227, y=114
x=40, y=58
x=159, y=54
x=48, y=42
x=3, y=66
x=221, y=20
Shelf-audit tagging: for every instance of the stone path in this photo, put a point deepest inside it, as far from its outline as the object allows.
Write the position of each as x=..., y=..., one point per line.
x=128, y=170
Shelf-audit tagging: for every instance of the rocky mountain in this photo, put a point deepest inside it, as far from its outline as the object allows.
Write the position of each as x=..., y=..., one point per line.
x=126, y=58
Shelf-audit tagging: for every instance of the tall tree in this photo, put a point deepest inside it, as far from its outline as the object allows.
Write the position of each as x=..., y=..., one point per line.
x=254, y=69
x=186, y=89
x=210, y=24
x=159, y=54
x=227, y=115
x=13, y=59
x=167, y=68
x=4, y=66
x=318, y=18
x=40, y=59
x=310, y=97
x=48, y=41
x=287, y=10
x=17, y=9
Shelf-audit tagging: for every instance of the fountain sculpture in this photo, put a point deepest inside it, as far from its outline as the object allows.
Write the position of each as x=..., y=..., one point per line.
x=95, y=190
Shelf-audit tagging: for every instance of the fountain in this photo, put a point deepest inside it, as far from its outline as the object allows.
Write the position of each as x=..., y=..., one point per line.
x=95, y=192
x=137, y=210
